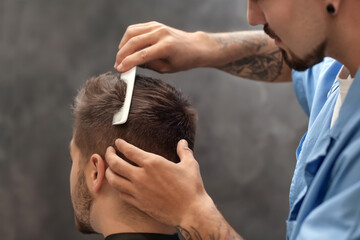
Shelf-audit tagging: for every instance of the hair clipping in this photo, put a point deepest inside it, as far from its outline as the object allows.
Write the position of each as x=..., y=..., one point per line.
x=122, y=116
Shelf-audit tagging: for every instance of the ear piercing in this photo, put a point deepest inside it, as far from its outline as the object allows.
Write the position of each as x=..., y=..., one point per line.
x=330, y=9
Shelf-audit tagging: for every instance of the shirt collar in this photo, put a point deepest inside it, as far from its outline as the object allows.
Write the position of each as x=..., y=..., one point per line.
x=350, y=110
x=141, y=236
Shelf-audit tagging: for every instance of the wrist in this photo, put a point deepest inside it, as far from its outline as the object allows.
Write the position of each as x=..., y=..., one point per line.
x=199, y=211
x=208, y=49
x=204, y=221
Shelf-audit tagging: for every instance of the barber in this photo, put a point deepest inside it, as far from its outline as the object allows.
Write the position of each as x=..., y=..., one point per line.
x=325, y=190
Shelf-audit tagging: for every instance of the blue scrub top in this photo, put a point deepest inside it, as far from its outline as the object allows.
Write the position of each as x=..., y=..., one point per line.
x=325, y=190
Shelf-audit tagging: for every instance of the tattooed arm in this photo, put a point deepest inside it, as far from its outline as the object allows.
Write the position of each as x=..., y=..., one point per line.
x=252, y=55
x=247, y=54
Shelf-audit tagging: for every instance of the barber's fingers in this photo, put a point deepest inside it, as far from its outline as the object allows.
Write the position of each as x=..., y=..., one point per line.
x=148, y=56
x=134, y=154
x=138, y=37
x=123, y=185
x=119, y=165
x=159, y=65
x=137, y=29
x=184, y=152
x=137, y=44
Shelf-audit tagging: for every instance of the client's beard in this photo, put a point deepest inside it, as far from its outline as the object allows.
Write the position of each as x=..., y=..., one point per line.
x=294, y=61
x=82, y=203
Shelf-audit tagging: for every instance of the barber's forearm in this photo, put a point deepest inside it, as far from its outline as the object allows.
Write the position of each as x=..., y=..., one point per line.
x=206, y=222
x=248, y=54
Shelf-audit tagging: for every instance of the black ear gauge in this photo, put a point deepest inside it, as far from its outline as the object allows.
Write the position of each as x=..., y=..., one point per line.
x=330, y=9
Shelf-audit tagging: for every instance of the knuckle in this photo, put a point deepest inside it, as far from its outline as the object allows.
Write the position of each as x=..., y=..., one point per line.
x=138, y=178
x=129, y=152
x=133, y=40
x=150, y=162
x=168, y=47
x=185, y=154
x=196, y=165
x=155, y=23
x=188, y=150
x=156, y=161
x=136, y=39
x=129, y=30
x=110, y=178
x=169, y=42
x=164, y=69
x=147, y=163
x=131, y=176
x=118, y=55
x=163, y=30
x=115, y=165
x=125, y=62
x=144, y=54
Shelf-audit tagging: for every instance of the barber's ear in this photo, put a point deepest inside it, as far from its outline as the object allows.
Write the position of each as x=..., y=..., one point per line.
x=97, y=171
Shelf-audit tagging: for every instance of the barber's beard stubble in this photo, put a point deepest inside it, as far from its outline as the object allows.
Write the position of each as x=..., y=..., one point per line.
x=82, y=204
x=293, y=61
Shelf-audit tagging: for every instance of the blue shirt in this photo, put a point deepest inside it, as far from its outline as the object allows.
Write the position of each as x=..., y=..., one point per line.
x=325, y=190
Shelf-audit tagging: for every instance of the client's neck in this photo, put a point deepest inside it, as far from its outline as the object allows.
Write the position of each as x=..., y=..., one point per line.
x=110, y=215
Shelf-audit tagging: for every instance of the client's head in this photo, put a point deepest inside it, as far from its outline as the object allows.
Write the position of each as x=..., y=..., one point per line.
x=159, y=117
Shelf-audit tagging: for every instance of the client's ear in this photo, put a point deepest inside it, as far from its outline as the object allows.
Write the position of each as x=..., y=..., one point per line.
x=97, y=171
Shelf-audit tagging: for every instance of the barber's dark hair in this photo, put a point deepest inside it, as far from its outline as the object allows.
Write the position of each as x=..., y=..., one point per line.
x=159, y=116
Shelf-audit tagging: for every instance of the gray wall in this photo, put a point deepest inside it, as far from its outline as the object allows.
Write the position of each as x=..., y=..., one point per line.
x=247, y=135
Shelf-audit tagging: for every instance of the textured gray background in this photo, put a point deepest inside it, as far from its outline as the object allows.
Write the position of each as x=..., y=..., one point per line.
x=247, y=135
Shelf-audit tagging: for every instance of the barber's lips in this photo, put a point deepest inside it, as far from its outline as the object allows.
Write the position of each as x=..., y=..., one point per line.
x=272, y=34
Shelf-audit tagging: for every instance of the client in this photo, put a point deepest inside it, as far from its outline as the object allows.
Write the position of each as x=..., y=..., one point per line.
x=159, y=117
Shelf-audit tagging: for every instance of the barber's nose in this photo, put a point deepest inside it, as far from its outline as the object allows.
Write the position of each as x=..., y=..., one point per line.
x=254, y=14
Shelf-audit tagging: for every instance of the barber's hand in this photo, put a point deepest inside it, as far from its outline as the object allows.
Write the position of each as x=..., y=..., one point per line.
x=170, y=192
x=162, y=48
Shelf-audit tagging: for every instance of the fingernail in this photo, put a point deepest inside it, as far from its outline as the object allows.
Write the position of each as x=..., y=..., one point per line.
x=120, y=67
x=184, y=142
x=115, y=66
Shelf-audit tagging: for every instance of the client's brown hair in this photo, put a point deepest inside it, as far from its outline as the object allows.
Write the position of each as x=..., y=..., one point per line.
x=159, y=116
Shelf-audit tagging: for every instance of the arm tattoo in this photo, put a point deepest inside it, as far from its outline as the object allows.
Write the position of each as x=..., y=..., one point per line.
x=260, y=64
x=264, y=67
x=186, y=235
x=229, y=39
x=194, y=234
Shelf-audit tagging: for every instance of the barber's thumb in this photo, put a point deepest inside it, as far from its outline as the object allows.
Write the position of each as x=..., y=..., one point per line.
x=183, y=151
